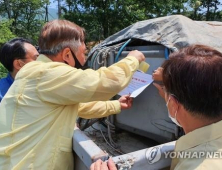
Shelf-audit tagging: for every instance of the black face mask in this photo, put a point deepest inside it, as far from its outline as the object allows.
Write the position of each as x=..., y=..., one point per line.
x=85, y=66
x=77, y=63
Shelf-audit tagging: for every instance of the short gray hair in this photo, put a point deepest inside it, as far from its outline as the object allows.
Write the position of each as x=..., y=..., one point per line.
x=59, y=34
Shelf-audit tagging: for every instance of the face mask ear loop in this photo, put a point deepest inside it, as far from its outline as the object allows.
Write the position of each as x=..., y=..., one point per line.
x=167, y=102
x=23, y=63
x=175, y=118
x=77, y=63
x=175, y=115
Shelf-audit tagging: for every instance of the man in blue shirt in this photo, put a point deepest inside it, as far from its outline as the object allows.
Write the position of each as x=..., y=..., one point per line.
x=5, y=83
x=14, y=55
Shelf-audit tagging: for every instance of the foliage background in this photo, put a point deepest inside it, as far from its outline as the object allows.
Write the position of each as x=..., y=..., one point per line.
x=100, y=18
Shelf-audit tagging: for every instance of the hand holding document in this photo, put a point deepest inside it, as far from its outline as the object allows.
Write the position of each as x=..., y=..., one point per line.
x=138, y=83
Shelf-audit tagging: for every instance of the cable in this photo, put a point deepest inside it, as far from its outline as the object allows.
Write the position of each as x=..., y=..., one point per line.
x=110, y=144
x=93, y=58
x=166, y=53
x=88, y=123
x=111, y=128
x=97, y=130
x=104, y=53
x=121, y=49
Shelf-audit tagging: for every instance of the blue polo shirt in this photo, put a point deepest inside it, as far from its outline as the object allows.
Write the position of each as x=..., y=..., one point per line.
x=5, y=83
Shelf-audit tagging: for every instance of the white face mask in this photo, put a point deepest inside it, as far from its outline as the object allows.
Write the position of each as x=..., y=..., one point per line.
x=174, y=119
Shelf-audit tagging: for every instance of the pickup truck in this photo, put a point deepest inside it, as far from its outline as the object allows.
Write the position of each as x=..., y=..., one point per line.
x=140, y=137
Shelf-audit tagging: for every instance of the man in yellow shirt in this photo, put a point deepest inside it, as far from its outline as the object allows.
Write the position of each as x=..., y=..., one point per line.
x=38, y=114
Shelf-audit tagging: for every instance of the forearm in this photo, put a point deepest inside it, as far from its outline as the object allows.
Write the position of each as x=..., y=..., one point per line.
x=98, y=109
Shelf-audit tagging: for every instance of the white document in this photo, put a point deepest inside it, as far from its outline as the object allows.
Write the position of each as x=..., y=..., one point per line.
x=138, y=83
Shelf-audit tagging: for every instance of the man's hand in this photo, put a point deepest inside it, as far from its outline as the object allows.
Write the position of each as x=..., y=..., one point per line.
x=100, y=165
x=126, y=101
x=157, y=74
x=111, y=164
x=160, y=89
x=138, y=55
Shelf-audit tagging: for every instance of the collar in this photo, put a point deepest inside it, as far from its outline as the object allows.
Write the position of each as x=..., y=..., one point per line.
x=43, y=58
x=199, y=136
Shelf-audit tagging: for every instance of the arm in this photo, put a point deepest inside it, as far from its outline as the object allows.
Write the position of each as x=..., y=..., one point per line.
x=157, y=76
x=160, y=89
x=62, y=84
x=98, y=109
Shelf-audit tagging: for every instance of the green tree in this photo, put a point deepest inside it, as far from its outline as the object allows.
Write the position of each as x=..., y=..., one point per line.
x=27, y=16
x=103, y=18
x=6, y=35
x=208, y=10
x=161, y=8
x=211, y=7
x=5, y=32
x=3, y=71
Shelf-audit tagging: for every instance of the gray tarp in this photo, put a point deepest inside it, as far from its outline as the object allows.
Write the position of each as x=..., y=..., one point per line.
x=174, y=32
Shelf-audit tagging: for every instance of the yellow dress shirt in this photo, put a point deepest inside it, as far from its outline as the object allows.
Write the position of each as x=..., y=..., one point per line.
x=207, y=140
x=98, y=109
x=38, y=114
